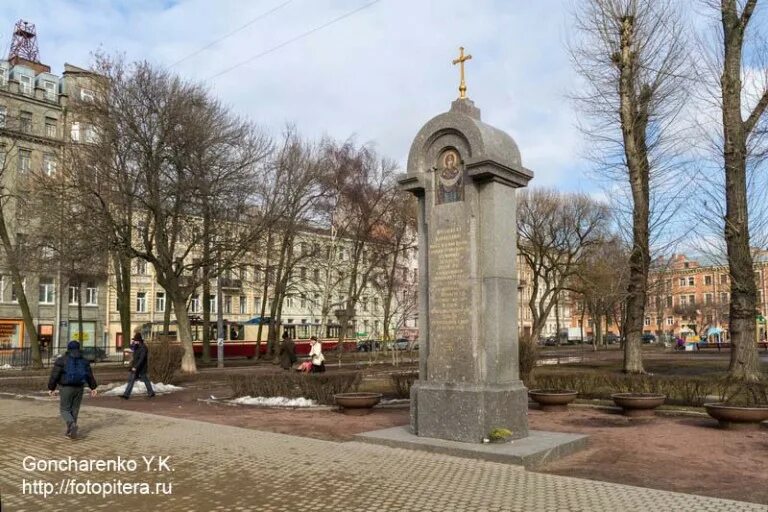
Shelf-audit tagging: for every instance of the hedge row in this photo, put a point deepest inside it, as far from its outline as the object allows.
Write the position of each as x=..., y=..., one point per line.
x=692, y=391
x=318, y=386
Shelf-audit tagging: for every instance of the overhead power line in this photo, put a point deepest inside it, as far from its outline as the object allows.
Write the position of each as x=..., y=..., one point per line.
x=230, y=34
x=293, y=40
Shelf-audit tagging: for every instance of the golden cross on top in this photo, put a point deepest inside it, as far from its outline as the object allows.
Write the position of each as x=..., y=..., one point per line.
x=460, y=61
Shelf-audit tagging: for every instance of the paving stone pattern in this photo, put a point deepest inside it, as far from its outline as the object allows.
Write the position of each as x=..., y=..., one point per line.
x=222, y=468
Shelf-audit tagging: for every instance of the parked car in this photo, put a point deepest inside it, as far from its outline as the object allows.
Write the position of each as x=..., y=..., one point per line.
x=94, y=354
x=611, y=338
x=368, y=345
x=649, y=338
x=550, y=342
x=402, y=344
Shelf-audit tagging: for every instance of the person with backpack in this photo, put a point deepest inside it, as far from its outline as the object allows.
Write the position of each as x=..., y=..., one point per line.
x=139, y=367
x=70, y=373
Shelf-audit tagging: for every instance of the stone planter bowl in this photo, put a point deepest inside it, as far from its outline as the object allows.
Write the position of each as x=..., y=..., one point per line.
x=737, y=417
x=551, y=400
x=638, y=404
x=356, y=404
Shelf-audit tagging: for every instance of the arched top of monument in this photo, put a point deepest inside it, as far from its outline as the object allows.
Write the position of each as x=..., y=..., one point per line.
x=483, y=141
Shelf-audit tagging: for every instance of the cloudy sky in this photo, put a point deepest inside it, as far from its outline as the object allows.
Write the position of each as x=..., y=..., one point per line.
x=377, y=74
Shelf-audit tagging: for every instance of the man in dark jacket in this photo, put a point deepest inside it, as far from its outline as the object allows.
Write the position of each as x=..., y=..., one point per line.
x=287, y=352
x=139, y=367
x=70, y=373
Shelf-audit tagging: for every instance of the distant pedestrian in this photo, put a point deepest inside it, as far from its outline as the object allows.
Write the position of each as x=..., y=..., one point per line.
x=316, y=355
x=287, y=352
x=139, y=367
x=70, y=373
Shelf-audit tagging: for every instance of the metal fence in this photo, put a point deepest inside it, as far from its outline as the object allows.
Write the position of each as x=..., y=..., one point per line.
x=22, y=357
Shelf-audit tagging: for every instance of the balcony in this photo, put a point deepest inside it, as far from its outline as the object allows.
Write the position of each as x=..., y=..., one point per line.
x=229, y=283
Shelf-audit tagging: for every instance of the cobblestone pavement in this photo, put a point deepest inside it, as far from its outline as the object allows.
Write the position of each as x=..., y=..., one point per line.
x=221, y=468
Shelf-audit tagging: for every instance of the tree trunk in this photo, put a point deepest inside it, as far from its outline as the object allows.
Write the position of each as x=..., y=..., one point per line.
x=188, y=364
x=206, y=315
x=122, y=269
x=80, y=312
x=633, y=113
x=745, y=363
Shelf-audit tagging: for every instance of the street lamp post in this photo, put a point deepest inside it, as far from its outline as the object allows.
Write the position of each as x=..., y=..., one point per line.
x=219, y=324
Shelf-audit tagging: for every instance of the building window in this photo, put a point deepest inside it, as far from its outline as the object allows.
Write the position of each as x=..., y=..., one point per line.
x=256, y=304
x=691, y=300
x=212, y=303
x=3, y=76
x=670, y=320
x=87, y=95
x=316, y=301
x=691, y=281
x=14, y=291
x=74, y=292
x=243, y=305
x=25, y=121
x=376, y=304
x=46, y=291
x=141, y=267
x=50, y=127
x=724, y=297
x=49, y=164
x=3, y=114
x=316, y=275
x=669, y=301
x=723, y=278
x=25, y=161
x=289, y=301
x=303, y=298
x=682, y=281
x=160, y=302
x=708, y=298
x=50, y=90
x=194, y=304
x=683, y=300
x=74, y=132
x=141, y=302
x=91, y=294
x=228, y=304
x=707, y=280
x=25, y=84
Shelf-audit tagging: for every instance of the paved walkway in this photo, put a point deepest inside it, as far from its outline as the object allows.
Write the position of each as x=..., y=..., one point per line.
x=221, y=468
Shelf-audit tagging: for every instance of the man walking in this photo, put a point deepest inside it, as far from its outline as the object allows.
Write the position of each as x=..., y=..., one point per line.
x=70, y=373
x=139, y=366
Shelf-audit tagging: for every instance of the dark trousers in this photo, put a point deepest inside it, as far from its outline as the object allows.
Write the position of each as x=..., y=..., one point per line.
x=318, y=368
x=143, y=377
x=70, y=398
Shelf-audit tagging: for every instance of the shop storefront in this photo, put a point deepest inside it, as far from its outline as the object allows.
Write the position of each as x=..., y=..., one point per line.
x=11, y=334
x=88, y=334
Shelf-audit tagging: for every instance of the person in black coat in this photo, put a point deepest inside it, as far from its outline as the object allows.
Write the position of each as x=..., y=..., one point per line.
x=70, y=373
x=139, y=367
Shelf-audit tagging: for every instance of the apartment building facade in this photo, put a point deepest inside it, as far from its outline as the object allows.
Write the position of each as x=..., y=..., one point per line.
x=36, y=124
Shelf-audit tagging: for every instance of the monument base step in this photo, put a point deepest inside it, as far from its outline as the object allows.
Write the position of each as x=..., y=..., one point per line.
x=535, y=450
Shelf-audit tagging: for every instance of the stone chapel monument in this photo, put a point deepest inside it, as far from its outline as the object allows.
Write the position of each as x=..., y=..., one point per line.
x=464, y=173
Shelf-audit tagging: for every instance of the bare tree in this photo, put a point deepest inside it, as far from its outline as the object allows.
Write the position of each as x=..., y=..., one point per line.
x=361, y=192
x=742, y=147
x=601, y=280
x=181, y=157
x=632, y=57
x=555, y=234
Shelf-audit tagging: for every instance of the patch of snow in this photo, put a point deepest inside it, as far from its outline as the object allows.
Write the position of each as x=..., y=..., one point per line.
x=395, y=401
x=140, y=389
x=8, y=367
x=274, y=401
